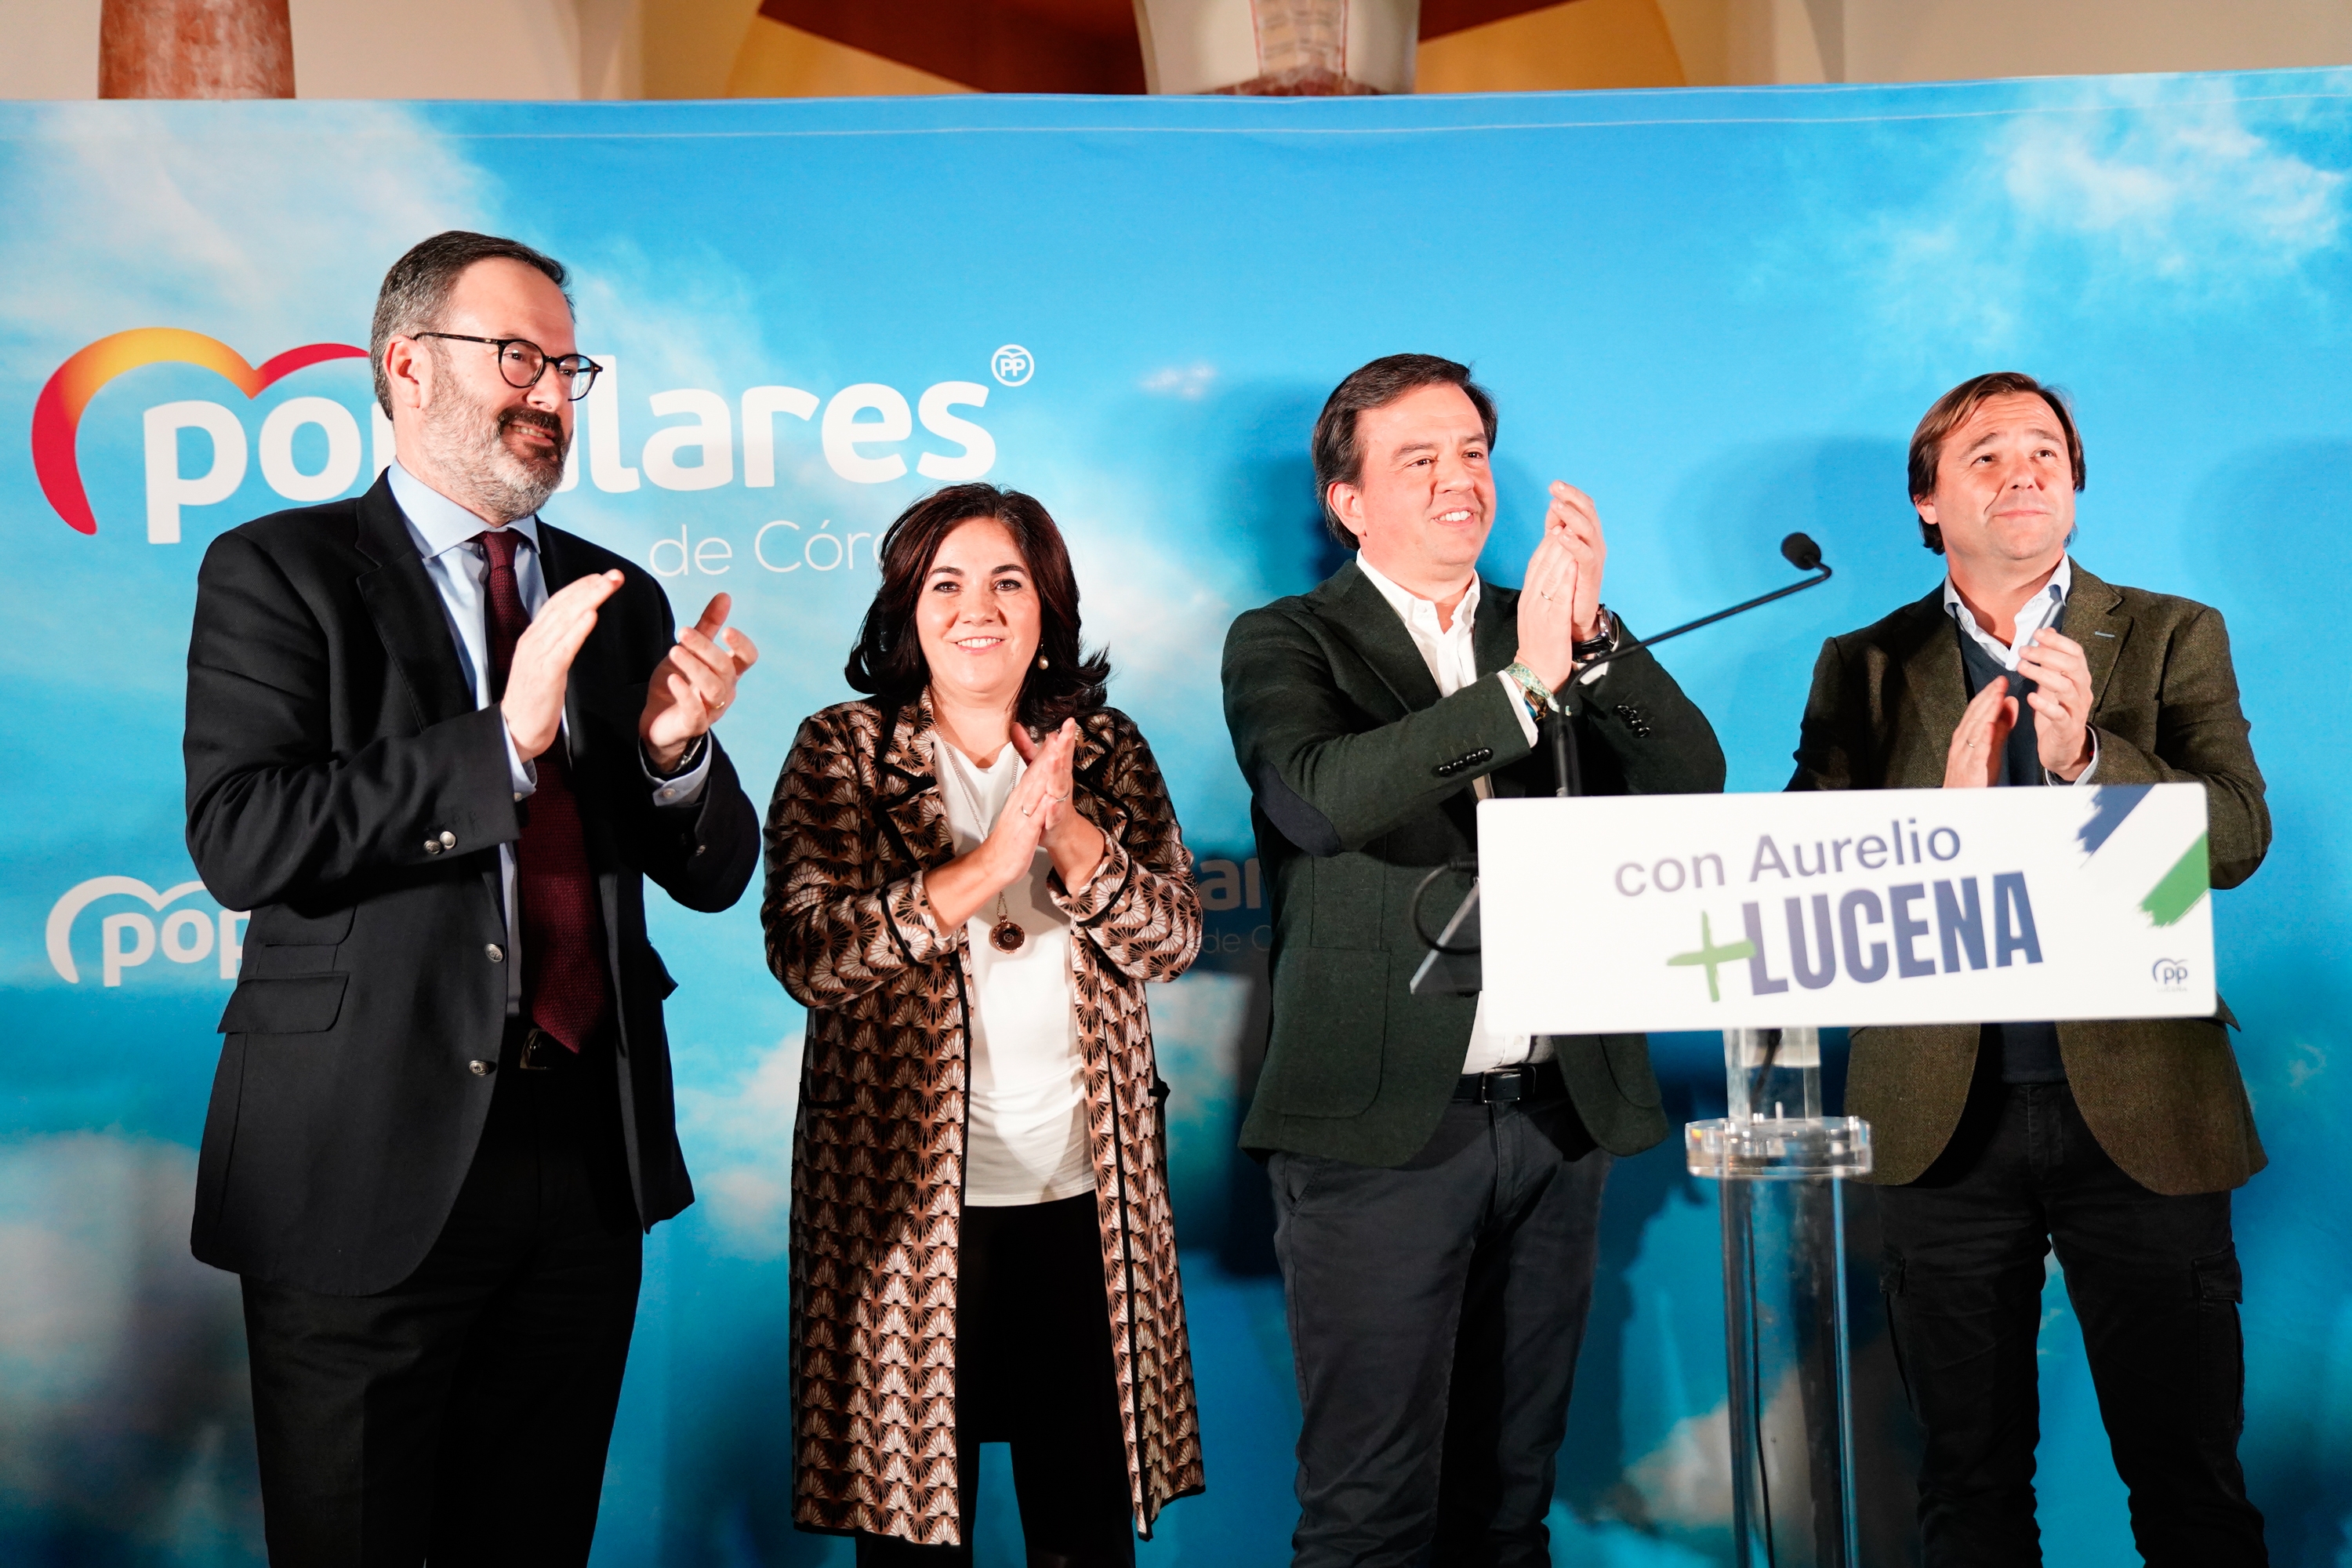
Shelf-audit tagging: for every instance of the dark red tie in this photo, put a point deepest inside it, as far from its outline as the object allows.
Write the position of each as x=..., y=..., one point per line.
x=564, y=989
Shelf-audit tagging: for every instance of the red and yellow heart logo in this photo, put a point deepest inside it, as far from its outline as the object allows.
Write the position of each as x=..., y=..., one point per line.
x=57, y=412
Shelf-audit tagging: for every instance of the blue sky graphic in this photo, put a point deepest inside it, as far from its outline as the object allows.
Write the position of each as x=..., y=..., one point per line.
x=1719, y=312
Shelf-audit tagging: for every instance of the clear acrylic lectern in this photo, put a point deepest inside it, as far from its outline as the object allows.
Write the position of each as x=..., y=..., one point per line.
x=1783, y=1164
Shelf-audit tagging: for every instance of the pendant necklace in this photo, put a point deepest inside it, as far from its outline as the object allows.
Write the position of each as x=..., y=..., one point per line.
x=1005, y=934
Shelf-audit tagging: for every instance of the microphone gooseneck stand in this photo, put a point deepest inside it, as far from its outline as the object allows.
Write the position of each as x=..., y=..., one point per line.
x=1783, y=1164
x=1797, y=549
x=1451, y=965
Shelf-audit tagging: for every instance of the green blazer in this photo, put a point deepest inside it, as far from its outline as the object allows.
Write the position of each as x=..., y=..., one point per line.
x=2161, y=1095
x=1360, y=780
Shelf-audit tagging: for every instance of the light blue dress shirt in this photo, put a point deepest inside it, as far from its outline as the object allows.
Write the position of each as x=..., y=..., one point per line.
x=443, y=533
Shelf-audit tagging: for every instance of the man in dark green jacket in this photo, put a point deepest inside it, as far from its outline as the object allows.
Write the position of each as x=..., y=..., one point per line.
x=1437, y=1186
x=2119, y=1141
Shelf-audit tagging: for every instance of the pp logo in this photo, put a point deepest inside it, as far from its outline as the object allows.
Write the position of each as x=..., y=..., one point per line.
x=1012, y=365
x=132, y=937
x=2169, y=975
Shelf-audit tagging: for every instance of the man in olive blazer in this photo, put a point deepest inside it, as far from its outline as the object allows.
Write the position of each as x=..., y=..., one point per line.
x=1437, y=1187
x=2119, y=1141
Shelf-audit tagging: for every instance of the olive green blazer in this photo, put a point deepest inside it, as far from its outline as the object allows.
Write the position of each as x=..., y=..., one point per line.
x=1360, y=780
x=2161, y=1095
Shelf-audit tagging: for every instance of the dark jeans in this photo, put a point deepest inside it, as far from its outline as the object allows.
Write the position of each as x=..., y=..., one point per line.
x=2154, y=1281
x=463, y=1416
x=1035, y=1369
x=1435, y=1312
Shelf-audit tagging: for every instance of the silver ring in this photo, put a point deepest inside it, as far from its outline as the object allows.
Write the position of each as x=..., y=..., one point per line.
x=1057, y=799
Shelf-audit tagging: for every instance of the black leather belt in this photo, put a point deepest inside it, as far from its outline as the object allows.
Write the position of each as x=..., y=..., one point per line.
x=1530, y=1083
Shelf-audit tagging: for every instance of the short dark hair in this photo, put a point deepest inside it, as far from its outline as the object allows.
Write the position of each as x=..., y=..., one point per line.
x=889, y=662
x=417, y=289
x=1337, y=459
x=1952, y=410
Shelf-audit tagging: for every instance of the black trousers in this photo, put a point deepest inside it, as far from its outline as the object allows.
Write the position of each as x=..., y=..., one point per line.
x=1035, y=1369
x=1435, y=1313
x=462, y=1417
x=2154, y=1281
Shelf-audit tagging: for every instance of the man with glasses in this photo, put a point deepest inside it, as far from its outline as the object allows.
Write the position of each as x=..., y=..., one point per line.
x=436, y=746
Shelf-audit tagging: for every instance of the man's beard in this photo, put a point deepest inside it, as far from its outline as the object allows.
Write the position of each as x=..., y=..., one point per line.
x=471, y=445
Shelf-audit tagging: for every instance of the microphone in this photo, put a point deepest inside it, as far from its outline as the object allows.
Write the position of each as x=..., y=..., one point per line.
x=1797, y=549
x=1452, y=966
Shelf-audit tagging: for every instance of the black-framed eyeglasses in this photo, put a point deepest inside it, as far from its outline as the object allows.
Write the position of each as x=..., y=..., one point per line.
x=523, y=363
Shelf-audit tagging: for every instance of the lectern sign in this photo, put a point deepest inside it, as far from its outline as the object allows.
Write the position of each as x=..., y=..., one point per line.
x=1877, y=907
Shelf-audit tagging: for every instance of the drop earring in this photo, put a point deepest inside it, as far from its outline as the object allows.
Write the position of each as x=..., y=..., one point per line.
x=1041, y=661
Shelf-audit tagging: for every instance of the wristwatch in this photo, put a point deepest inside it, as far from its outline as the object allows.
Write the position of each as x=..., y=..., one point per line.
x=691, y=758
x=1613, y=632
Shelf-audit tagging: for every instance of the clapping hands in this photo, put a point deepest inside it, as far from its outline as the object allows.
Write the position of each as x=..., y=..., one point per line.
x=1559, y=599
x=2061, y=700
x=1074, y=844
x=1038, y=815
x=694, y=684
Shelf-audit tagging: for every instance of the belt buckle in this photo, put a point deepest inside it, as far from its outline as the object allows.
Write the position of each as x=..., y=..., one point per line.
x=1493, y=1084
x=538, y=1052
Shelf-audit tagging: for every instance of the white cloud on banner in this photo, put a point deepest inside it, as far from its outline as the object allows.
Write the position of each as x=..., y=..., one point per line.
x=122, y=1387
x=2179, y=202
x=1191, y=382
x=1197, y=1027
x=1148, y=605
x=738, y=1137
x=1685, y=1483
x=2173, y=196
x=127, y=221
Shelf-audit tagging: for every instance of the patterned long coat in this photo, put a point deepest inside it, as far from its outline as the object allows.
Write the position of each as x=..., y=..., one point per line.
x=877, y=1148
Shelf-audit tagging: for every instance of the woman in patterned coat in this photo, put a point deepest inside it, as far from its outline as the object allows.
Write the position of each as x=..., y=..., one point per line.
x=972, y=875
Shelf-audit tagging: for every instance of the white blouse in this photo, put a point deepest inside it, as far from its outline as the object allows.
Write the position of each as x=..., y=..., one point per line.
x=1025, y=1128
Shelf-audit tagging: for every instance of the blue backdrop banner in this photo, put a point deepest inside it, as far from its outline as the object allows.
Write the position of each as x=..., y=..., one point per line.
x=1718, y=311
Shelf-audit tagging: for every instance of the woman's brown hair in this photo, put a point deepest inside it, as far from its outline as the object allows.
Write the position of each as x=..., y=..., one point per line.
x=889, y=662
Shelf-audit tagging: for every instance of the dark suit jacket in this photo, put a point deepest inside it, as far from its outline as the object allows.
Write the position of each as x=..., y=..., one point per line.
x=2162, y=1095
x=331, y=734
x=1361, y=779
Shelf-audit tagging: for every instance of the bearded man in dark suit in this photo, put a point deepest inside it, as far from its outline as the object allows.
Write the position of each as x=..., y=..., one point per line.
x=2117, y=1143
x=437, y=746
